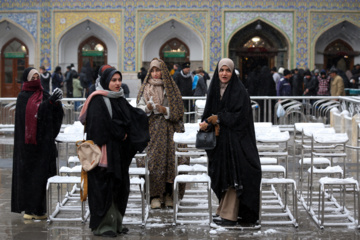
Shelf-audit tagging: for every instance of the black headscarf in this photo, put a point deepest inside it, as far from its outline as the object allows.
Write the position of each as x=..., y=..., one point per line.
x=234, y=162
x=230, y=98
x=106, y=77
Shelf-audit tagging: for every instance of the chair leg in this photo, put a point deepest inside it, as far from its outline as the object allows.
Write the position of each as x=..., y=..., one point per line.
x=175, y=201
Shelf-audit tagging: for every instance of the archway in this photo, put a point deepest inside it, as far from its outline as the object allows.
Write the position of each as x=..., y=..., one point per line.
x=174, y=51
x=14, y=60
x=73, y=39
x=339, y=54
x=335, y=47
x=176, y=32
x=258, y=44
x=92, y=52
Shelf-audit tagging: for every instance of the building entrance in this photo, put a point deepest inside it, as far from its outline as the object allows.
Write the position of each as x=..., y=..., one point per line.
x=92, y=54
x=14, y=60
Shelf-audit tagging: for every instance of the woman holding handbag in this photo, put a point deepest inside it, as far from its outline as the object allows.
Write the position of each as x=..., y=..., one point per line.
x=120, y=130
x=234, y=164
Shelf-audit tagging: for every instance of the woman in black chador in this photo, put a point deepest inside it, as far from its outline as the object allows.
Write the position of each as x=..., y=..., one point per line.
x=234, y=164
x=120, y=130
x=38, y=120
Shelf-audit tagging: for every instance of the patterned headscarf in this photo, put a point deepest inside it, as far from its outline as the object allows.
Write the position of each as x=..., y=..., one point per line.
x=173, y=95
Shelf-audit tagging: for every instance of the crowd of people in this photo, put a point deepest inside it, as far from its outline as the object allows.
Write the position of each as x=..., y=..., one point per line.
x=299, y=82
x=75, y=85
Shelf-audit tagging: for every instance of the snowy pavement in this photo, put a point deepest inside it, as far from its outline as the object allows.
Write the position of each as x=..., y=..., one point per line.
x=159, y=224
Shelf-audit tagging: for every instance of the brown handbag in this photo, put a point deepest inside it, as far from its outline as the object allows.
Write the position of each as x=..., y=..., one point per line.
x=89, y=155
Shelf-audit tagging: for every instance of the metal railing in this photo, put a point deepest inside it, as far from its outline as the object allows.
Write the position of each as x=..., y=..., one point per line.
x=297, y=108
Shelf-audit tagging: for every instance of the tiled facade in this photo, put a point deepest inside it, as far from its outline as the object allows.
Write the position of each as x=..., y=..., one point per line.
x=300, y=21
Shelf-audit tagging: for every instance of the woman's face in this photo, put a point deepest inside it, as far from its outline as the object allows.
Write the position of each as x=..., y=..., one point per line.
x=115, y=83
x=155, y=73
x=225, y=74
x=35, y=77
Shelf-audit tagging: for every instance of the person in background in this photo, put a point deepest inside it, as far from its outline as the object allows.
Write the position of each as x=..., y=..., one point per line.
x=97, y=81
x=276, y=76
x=160, y=98
x=77, y=91
x=234, y=164
x=310, y=84
x=120, y=130
x=297, y=83
x=57, y=78
x=184, y=82
x=142, y=74
x=324, y=84
x=199, y=83
x=45, y=77
x=126, y=90
x=68, y=80
x=38, y=119
x=337, y=83
x=284, y=84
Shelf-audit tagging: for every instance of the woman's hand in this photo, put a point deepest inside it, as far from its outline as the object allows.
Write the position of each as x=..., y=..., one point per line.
x=203, y=125
x=161, y=109
x=149, y=106
x=125, y=137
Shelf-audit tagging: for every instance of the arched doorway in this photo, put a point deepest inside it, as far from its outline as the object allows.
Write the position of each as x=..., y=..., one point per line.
x=258, y=44
x=338, y=46
x=340, y=55
x=92, y=52
x=174, y=51
x=14, y=60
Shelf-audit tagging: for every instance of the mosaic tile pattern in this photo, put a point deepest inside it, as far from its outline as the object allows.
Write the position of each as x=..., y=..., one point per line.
x=236, y=20
x=215, y=27
x=26, y=20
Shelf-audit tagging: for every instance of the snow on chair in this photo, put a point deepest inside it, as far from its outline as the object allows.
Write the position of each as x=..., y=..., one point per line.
x=274, y=201
x=139, y=188
x=60, y=204
x=328, y=184
x=195, y=173
x=337, y=212
x=204, y=178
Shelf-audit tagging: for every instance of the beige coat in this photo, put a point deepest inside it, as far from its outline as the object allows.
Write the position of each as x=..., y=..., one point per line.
x=337, y=86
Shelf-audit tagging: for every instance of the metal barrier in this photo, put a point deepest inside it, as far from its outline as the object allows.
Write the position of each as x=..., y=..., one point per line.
x=301, y=109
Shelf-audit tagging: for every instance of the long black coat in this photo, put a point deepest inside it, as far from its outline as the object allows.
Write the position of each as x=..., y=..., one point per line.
x=34, y=164
x=184, y=84
x=112, y=184
x=234, y=162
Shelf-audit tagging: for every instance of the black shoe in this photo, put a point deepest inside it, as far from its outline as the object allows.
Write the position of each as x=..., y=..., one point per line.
x=124, y=230
x=224, y=222
x=109, y=234
x=215, y=216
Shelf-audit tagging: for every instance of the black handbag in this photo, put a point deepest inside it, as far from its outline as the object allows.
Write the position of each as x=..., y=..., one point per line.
x=205, y=140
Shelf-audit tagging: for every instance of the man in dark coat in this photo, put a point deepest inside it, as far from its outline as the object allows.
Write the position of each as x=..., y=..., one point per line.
x=38, y=120
x=184, y=81
x=234, y=164
x=266, y=88
x=142, y=74
x=45, y=77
